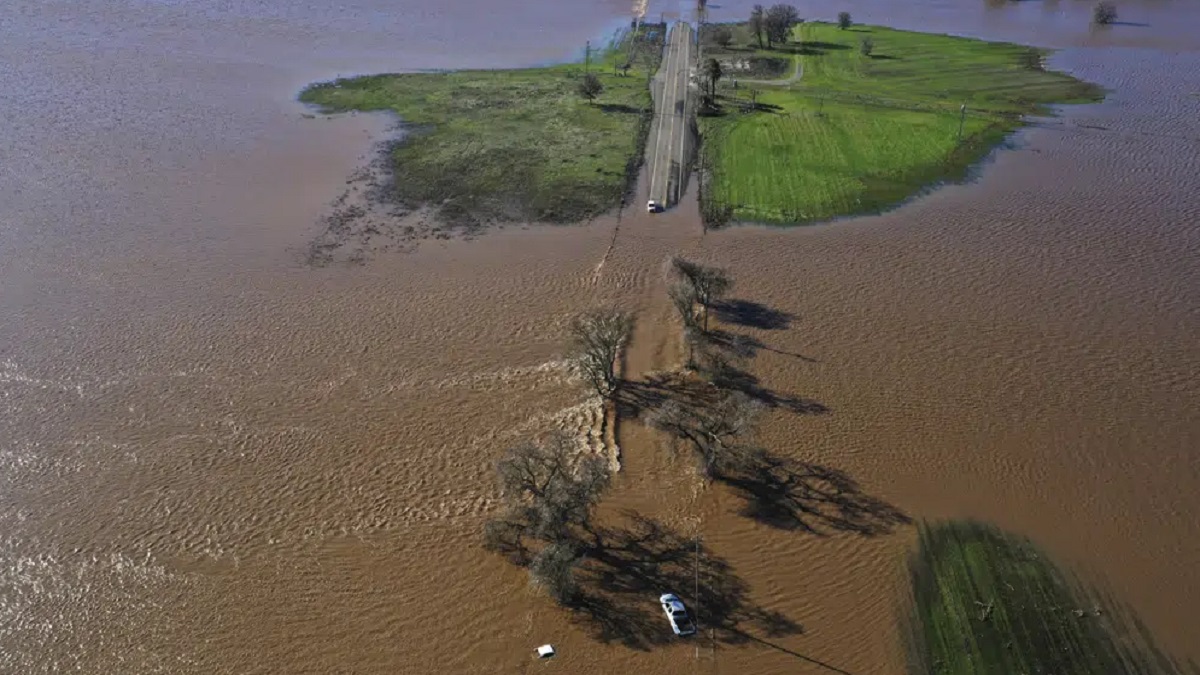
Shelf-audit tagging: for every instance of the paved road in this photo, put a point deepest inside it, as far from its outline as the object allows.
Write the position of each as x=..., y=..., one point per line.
x=670, y=142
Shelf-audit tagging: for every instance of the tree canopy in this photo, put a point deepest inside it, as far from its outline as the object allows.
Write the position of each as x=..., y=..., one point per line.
x=779, y=21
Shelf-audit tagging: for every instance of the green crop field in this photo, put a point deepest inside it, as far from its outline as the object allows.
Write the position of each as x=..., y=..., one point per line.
x=857, y=133
x=989, y=603
x=497, y=145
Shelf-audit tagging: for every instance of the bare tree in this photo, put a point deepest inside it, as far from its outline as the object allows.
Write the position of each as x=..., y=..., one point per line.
x=758, y=24
x=844, y=21
x=715, y=429
x=503, y=535
x=553, y=569
x=708, y=284
x=549, y=486
x=778, y=23
x=596, y=341
x=590, y=86
x=683, y=298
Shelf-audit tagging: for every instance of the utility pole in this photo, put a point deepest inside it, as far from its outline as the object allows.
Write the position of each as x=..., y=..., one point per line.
x=587, y=56
x=962, y=117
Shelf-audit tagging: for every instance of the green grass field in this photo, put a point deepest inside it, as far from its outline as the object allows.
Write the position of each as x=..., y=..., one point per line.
x=989, y=603
x=510, y=145
x=858, y=134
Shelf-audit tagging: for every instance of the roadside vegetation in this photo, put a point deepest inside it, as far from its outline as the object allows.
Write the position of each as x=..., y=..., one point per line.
x=989, y=603
x=557, y=144
x=860, y=118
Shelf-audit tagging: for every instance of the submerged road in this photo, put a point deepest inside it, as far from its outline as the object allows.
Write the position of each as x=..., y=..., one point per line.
x=670, y=142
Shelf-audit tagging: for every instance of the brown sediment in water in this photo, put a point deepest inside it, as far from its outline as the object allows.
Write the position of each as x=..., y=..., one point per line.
x=218, y=459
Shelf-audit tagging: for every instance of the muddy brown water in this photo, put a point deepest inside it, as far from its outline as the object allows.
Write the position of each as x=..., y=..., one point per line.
x=215, y=459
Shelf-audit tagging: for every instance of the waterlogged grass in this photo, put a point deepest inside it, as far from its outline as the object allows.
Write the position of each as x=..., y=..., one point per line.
x=509, y=145
x=859, y=134
x=988, y=603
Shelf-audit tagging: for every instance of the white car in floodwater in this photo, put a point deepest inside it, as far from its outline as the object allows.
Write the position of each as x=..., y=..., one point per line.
x=677, y=614
x=653, y=207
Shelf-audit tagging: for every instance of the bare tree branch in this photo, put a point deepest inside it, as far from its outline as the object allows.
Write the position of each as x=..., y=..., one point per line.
x=716, y=429
x=553, y=569
x=549, y=488
x=707, y=284
x=596, y=341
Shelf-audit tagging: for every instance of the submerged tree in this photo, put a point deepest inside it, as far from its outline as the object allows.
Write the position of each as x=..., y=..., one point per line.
x=715, y=429
x=707, y=284
x=549, y=486
x=1104, y=13
x=683, y=298
x=590, y=86
x=553, y=569
x=549, y=489
x=596, y=341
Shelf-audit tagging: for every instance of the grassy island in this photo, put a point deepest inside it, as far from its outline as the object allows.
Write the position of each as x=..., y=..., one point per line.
x=512, y=145
x=840, y=122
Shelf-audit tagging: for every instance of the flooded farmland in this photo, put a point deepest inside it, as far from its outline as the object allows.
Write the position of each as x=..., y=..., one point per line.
x=215, y=458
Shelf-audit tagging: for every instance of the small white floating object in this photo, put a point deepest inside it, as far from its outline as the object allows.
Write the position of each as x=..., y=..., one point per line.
x=545, y=651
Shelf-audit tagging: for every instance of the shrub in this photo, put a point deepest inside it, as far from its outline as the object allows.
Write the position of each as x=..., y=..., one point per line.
x=590, y=87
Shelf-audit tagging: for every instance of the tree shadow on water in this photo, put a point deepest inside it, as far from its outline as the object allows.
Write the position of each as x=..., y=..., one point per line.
x=745, y=346
x=635, y=397
x=626, y=568
x=791, y=495
x=735, y=379
x=752, y=315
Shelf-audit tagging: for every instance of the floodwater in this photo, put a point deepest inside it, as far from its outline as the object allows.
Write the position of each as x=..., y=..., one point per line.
x=217, y=459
